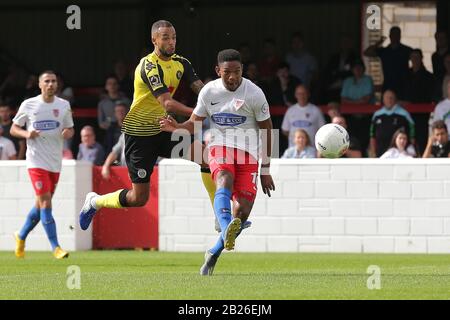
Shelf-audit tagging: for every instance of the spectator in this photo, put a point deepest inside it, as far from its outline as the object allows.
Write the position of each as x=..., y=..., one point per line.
x=302, y=64
x=394, y=59
x=89, y=149
x=67, y=151
x=7, y=149
x=302, y=115
x=268, y=65
x=6, y=122
x=337, y=70
x=354, y=149
x=31, y=87
x=302, y=147
x=123, y=77
x=246, y=56
x=282, y=90
x=386, y=121
x=115, y=130
x=63, y=91
x=357, y=89
x=419, y=84
x=442, y=109
x=438, y=145
x=399, y=147
x=446, y=79
x=334, y=109
x=252, y=74
x=437, y=57
x=106, y=106
x=12, y=87
x=115, y=157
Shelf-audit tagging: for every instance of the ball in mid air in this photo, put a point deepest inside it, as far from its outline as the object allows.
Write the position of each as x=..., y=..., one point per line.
x=332, y=140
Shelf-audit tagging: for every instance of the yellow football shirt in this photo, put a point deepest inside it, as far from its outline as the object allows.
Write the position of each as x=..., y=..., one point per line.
x=152, y=78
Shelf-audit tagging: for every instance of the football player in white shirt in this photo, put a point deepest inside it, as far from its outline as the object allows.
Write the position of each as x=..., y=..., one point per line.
x=237, y=110
x=48, y=121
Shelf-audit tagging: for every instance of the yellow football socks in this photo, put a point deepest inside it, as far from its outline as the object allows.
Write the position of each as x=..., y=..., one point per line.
x=109, y=200
x=209, y=184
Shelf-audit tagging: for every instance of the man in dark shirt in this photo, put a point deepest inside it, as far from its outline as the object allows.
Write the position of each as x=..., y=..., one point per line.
x=438, y=145
x=386, y=121
x=419, y=84
x=394, y=59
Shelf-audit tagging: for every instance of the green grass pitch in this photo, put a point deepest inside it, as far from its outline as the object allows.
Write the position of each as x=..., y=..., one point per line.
x=161, y=275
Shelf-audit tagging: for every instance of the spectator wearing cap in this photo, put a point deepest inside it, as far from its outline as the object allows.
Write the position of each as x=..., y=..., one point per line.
x=7, y=149
x=357, y=89
x=89, y=149
x=419, y=83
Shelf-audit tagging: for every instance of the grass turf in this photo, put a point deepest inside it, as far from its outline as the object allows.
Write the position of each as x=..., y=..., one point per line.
x=160, y=275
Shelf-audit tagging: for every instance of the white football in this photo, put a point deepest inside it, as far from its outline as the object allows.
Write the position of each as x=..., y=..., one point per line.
x=332, y=140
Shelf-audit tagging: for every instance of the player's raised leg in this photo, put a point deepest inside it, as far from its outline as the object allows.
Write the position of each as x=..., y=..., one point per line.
x=136, y=197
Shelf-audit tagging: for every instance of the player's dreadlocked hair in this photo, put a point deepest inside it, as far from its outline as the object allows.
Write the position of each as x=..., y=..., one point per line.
x=228, y=55
x=160, y=24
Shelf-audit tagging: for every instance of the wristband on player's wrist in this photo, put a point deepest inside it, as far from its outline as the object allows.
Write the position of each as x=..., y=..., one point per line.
x=265, y=170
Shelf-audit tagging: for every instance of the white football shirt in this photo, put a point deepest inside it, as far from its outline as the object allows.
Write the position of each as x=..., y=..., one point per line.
x=50, y=119
x=233, y=114
x=308, y=118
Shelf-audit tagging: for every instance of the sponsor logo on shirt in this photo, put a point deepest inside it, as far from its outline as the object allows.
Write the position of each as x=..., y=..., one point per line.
x=46, y=125
x=228, y=119
x=301, y=124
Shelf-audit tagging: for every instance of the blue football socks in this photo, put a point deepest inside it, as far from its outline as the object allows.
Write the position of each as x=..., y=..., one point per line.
x=50, y=226
x=31, y=222
x=222, y=207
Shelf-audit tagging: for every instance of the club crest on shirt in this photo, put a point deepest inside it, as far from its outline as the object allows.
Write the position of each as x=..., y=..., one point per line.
x=155, y=81
x=38, y=185
x=56, y=113
x=307, y=115
x=238, y=103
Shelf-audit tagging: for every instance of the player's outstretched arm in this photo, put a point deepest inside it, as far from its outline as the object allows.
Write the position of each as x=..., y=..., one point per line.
x=169, y=124
x=172, y=105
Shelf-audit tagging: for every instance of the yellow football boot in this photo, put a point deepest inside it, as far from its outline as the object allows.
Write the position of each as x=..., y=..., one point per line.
x=60, y=253
x=20, y=246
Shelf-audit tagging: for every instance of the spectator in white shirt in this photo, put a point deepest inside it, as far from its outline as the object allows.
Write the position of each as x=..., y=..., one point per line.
x=7, y=149
x=400, y=147
x=302, y=115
